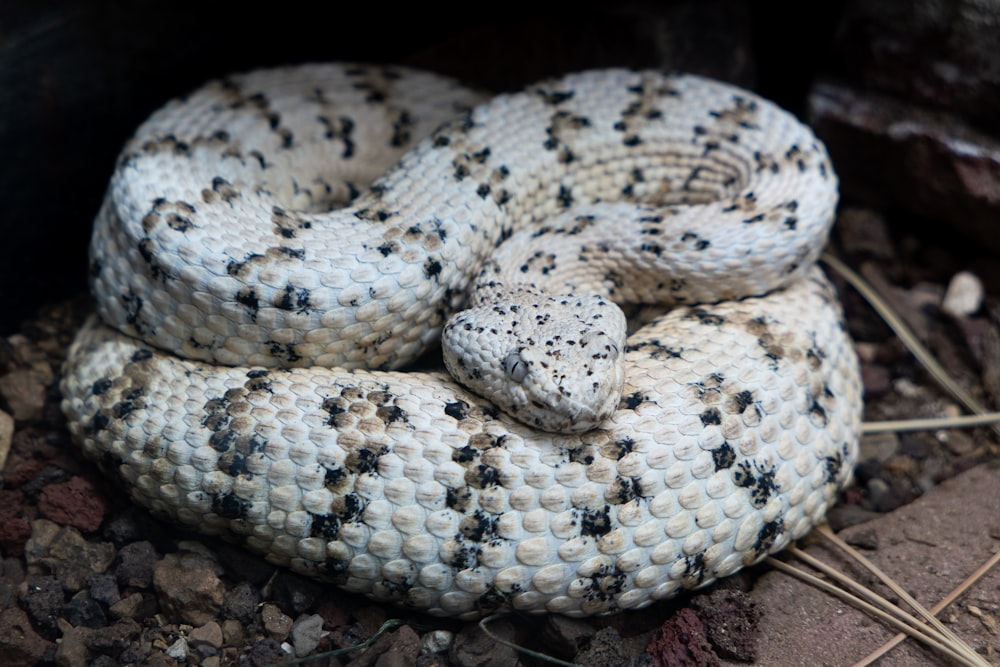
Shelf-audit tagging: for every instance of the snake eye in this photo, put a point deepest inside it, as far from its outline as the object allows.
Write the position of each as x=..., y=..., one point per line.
x=515, y=367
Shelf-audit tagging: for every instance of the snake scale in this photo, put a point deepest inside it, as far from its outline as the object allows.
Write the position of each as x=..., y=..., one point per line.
x=275, y=245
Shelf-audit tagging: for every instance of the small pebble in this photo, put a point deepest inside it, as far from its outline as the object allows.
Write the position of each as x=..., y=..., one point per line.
x=179, y=649
x=307, y=631
x=436, y=641
x=206, y=639
x=232, y=632
x=276, y=624
x=878, y=447
x=964, y=296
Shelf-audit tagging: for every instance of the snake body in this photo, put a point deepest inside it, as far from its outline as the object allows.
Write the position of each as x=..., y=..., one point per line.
x=259, y=282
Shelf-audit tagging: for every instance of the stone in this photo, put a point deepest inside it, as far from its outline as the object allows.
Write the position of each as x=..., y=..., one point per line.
x=111, y=639
x=564, y=636
x=74, y=503
x=14, y=527
x=930, y=53
x=964, y=295
x=43, y=600
x=65, y=553
x=83, y=610
x=293, y=592
x=232, y=632
x=682, y=640
x=188, y=587
x=276, y=624
x=403, y=650
x=135, y=565
x=241, y=602
x=72, y=649
x=6, y=436
x=103, y=588
x=206, y=640
x=24, y=393
x=730, y=618
x=307, y=631
x=436, y=641
x=20, y=645
x=474, y=648
x=893, y=155
x=179, y=649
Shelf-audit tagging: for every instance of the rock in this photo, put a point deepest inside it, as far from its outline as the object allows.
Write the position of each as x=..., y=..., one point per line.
x=605, y=650
x=232, y=632
x=74, y=503
x=23, y=391
x=682, y=640
x=863, y=231
x=84, y=611
x=43, y=600
x=878, y=447
x=940, y=55
x=564, y=637
x=11, y=580
x=928, y=547
x=276, y=624
x=6, y=436
x=20, y=645
x=307, y=631
x=207, y=639
x=436, y=641
x=103, y=588
x=241, y=602
x=894, y=155
x=292, y=592
x=135, y=565
x=731, y=618
x=265, y=652
x=188, y=587
x=65, y=553
x=14, y=527
x=404, y=646
x=964, y=295
x=179, y=649
x=131, y=524
x=472, y=647
x=111, y=639
x=72, y=650
x=134, y=606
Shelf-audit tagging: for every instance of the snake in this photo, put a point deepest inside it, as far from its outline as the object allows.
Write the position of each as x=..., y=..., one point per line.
x=277, y=256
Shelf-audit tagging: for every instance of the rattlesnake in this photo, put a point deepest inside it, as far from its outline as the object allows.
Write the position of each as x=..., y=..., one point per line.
x=251, y=273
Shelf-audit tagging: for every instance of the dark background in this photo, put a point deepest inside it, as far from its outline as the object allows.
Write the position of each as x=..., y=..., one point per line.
x=77, y=77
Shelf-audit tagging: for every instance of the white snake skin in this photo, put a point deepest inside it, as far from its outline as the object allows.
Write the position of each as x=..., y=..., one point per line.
x=251, y=273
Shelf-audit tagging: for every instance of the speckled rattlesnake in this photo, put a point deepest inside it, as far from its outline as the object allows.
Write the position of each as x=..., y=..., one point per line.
x=239, y=250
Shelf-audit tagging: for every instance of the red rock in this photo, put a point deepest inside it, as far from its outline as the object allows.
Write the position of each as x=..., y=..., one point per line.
x=74, y=503
x=14, y=527
x=682, y=642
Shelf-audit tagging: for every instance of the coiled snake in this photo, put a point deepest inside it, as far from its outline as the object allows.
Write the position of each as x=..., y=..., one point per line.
x=250, y=262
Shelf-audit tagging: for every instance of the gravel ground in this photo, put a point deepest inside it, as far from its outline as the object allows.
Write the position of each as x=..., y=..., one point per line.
x=88, y=579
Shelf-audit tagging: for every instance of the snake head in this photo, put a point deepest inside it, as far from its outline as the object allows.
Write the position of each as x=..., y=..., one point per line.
x=555, y=363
